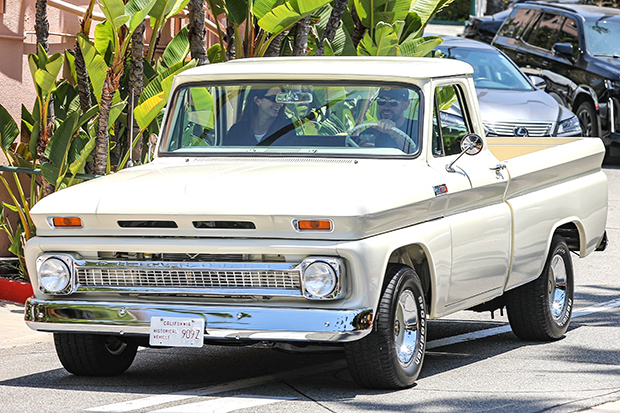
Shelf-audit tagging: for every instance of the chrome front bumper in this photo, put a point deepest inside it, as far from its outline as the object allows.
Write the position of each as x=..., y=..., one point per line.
x=221, y=322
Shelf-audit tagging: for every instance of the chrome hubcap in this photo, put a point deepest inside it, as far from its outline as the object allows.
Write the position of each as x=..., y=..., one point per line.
x=557, y=287
x=406, y=326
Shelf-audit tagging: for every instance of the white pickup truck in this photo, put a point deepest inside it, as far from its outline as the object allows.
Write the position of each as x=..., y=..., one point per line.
x=317, y=200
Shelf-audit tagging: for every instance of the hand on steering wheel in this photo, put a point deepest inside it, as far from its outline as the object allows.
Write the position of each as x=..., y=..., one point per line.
x=350, y=142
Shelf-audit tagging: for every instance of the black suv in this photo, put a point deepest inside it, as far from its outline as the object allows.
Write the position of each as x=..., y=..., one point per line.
x=576, y=50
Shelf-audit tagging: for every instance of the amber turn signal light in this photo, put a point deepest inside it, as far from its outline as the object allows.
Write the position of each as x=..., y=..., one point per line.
x=314, y=225
x=67, y=222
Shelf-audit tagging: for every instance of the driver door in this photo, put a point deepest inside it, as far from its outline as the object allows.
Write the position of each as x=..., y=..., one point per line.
x=477, y=215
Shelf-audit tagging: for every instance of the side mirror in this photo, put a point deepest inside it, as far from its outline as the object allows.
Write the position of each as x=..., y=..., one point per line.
x=565, y=49
x=538, y=81
x=471, y=144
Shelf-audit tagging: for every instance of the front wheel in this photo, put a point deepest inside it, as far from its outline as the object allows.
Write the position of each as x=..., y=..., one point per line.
x=586, y=113
x=93, y=354
x=391, y=356
x=541, y=309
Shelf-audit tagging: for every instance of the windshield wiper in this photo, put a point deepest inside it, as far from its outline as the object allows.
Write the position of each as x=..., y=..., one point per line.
x=615, y=56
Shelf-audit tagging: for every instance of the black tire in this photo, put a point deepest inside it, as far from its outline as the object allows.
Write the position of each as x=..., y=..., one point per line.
x=94, y=355
x=588, y=118
x=375, y=361
x=541, y=309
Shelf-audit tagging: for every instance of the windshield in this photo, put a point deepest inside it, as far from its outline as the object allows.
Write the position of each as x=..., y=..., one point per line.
x=602, y=37
x=308, y=119
x=492, y=70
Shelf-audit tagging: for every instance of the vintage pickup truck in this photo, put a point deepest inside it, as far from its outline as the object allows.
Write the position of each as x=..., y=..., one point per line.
x=339, y=201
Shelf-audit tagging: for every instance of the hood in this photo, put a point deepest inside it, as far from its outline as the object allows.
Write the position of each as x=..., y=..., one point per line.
x=270, y=193
x=511, y=106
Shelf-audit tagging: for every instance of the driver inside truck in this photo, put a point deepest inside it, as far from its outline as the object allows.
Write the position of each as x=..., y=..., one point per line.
x=392, y=104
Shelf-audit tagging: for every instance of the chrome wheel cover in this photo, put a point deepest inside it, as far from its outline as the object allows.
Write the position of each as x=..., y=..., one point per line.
x=557, y=287
x=406, y=325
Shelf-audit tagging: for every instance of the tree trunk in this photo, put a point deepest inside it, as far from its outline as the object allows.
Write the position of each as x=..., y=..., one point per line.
x=197, y=31
x=274, y=47
x=110, y=85
x=359, y=30
x=82, y=79
x=231, y=53
x=136, y=86
x=332, y=24
x=41, y=25
x=302, y=28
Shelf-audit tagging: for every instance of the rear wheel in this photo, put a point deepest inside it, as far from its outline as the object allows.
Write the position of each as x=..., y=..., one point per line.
x=588, y=119
x=541, y=309
x=391, y=356
x=94, y=355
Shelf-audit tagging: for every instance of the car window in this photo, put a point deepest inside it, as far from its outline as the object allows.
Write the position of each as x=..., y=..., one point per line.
x=492, y=70
x=450, y=121
x=517, y=22
x=546, y=31
x=308, y=118
x=602, y=36
x=570, y=34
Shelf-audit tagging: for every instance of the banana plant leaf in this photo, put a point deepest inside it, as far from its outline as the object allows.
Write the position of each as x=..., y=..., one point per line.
x=420, y=47
x=8, y=129
x=176, y=51
x=285, y=15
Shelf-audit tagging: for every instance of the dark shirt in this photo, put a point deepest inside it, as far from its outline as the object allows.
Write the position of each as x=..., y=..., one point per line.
x=240, y=134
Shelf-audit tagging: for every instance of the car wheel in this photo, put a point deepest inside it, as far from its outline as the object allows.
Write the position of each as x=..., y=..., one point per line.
x=541, y=309
x=94, y=355
x=391, y=356
x=588, y=119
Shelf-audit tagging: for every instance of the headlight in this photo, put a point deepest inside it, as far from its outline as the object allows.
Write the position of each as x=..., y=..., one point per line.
x=54, y=275
x=570, y=125
x=321, y=277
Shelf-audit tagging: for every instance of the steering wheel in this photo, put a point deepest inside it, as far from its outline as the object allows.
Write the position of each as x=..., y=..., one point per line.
x=350, y=142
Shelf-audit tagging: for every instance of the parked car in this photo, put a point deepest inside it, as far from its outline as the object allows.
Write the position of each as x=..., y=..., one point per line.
x=484, y=28
x=510, y=104
x=575, y=49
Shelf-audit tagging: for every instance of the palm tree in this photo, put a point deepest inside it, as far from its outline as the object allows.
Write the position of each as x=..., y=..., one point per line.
x=197, y=31
x=302, y=29
x=335, y=18
x=42, y=25
x=136, y=86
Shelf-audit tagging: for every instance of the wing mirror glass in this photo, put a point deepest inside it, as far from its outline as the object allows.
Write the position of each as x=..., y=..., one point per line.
x=565, y=49
x=538, y=81
x=471, y=144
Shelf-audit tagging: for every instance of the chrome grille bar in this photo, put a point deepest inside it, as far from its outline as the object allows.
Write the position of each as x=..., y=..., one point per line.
x=190, y=278
x=535, y=129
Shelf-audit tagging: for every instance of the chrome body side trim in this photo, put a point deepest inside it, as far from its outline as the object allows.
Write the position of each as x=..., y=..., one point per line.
x=222, y=322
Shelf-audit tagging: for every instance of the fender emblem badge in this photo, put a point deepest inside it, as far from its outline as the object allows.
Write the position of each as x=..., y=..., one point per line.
x=440, y=189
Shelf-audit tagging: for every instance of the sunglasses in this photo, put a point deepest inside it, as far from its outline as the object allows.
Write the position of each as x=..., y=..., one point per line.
x=271, y=98
x=384, y=101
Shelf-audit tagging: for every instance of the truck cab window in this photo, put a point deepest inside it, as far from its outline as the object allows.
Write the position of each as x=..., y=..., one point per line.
x=450, y=120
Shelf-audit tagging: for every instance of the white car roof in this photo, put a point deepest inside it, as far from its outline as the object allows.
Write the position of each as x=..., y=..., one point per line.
x=328, y=68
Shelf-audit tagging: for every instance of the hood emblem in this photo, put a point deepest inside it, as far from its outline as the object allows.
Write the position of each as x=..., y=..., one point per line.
x=521, y=132
x=440, y=189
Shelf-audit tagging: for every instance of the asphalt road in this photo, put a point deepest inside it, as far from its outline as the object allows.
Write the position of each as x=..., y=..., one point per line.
x=473, y=364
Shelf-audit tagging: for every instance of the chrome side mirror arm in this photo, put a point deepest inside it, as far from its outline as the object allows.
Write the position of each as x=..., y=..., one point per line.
x=471, y=144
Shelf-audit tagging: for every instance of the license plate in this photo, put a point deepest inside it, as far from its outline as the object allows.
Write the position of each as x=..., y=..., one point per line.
x=177, y=332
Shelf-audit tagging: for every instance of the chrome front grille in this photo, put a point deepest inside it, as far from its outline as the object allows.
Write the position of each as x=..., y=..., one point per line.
x=535, y=129
x=226, y=278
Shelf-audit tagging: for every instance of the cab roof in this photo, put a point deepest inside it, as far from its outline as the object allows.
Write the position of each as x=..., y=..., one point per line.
x=380, y=69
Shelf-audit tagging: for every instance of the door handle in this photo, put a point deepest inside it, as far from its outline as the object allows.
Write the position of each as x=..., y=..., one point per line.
x=498, y=170
x=520, y=55
x=546, y=63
